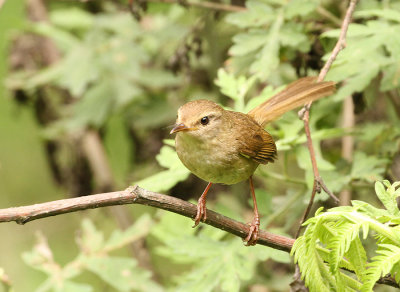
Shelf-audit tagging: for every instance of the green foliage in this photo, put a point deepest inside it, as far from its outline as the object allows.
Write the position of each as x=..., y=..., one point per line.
x=120, y=273
x=261, y=47
x=215, y=264
x=166, y=179
x=371, y=40
x=332, y=241
x=112, y=51
x=142, y=71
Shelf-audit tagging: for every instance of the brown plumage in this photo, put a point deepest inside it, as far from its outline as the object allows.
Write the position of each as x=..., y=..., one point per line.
x=221, y=146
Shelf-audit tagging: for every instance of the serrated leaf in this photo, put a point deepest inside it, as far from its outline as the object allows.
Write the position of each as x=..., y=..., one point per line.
x=387, y=199
x=391, y=76
x=77, y=78
x=268, y=59
x=339, y=244
x=245, y=43
x=257, y=14
x=164, y=180
x=121, y=273
x=354, y=30
x=357, y=256
x=168, y=158
x=382, y=264
x=137, y=230
x=95, y=106
x=91, y=240
x=300, y=8
x=293, y=35
x=369, y=168
x=218, y=264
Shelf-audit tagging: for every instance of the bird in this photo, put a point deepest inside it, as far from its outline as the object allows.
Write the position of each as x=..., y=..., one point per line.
x=225, y=147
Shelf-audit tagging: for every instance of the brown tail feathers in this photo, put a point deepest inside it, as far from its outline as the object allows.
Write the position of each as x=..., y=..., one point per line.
x=296, y=94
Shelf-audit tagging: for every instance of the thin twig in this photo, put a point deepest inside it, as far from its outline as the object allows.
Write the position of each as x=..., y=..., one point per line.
x=341, y=43
x=305, y=112
x=137, y=195
x=307, y=211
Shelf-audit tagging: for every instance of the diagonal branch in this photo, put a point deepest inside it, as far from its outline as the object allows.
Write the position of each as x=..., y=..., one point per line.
x=305, y=112
x=137, y=195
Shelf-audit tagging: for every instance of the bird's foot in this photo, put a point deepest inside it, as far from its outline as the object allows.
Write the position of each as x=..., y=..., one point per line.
x=201, y=212
x=252, y=237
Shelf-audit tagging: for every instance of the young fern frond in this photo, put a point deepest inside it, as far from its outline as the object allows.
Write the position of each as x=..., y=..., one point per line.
x=357, y=257
x=332, y=241
x=310, y=263
x=340, y=244
x=381, y=265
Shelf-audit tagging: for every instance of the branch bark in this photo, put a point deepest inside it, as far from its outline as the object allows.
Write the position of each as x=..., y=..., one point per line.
x=137, y=195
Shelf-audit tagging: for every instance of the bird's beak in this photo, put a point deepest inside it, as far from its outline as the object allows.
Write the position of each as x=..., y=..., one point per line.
x=179, y=128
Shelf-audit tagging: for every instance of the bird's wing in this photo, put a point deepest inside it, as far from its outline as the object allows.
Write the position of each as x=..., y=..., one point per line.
x=251, y=140
x=260, y=147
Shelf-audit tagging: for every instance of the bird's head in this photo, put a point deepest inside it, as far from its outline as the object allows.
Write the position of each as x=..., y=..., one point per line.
x=200, y=118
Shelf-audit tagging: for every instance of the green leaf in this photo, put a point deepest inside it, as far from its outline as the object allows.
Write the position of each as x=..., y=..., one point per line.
x=121, y=273
x=293, y=35
x=65, y=41
x=217, y=264
x=387, y=199
x=234, y=87
x=369, y=168
x=72, y=18
x=256, y=15
x=70, y=286
x=138, y=230
x=164, y=180
x=389, y=14
x=354, y=30
x=357, y=83
x=265, y=94
x=245, y=43
x=91, y=240
x=168, y=158
x=98, y=97
x=268, y=59
x=77, y=78
x=300, y=8
x=382, y=264
x=391, y=76
x=347, y=232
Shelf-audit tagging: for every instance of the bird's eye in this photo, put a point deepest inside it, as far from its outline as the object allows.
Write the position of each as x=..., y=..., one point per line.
x=204, y=120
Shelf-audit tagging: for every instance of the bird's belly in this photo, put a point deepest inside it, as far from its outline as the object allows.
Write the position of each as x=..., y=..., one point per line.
x=214, y=163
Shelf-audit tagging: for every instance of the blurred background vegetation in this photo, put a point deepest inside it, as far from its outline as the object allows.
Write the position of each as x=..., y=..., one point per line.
x=90, y=88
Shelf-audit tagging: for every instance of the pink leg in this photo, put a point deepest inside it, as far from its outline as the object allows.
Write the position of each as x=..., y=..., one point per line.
x=201, y=207
x=251, y=238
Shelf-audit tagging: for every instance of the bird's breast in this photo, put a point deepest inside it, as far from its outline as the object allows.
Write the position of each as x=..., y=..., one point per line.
x=213, y=160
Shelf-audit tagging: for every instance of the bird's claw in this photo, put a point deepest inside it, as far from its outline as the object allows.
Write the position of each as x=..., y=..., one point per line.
x=252, y=237
x=201, y=213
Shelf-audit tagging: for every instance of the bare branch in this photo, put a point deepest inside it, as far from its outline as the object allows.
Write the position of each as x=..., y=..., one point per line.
x=137, y=195
x=305, y=112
